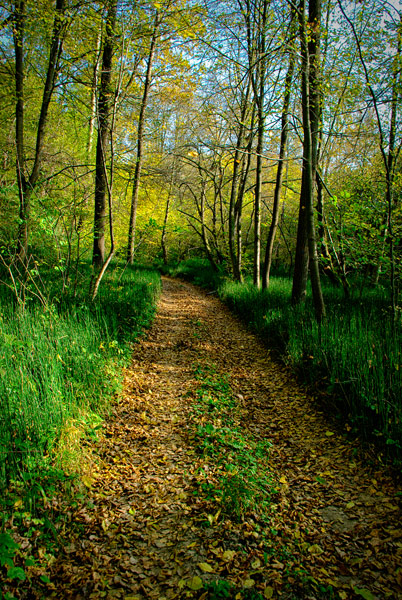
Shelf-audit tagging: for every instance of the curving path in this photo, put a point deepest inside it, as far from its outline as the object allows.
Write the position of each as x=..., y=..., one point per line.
x=140, y=534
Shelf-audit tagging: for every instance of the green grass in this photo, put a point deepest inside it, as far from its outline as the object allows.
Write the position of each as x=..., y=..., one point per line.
x=242, y=482
x=64, y=361
x=355, y=355
x=61, y=360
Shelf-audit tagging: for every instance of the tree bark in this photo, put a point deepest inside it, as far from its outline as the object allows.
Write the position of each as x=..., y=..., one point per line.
x=311, y=66
x=104, y=108
x=282, y=154
x=140, y=139
x=310, y=149
x=238, y=160
x=259, y=91
x=94, y=87
x=24, y=210
x=26, y=184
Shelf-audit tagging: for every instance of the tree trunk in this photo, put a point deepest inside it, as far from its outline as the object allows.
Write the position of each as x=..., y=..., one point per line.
x=164, y=229
x=94, y=87
x=238, y=160
x=311, y=66
x=26, y=184
x=19, y=22
x=300, y=273
x=282, y=153
x=310, y=149
x=104, y=107
x=259, y=98
x=204, y=234
x=390, y=166
x=140, y=136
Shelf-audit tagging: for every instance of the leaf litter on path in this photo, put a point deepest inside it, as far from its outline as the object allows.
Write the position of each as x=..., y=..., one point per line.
x=144, y=530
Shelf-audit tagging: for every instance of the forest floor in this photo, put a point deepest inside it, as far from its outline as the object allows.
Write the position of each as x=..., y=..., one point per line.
x=147, y=527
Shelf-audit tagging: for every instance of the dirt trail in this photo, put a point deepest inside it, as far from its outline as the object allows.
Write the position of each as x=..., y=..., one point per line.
x=139, y=535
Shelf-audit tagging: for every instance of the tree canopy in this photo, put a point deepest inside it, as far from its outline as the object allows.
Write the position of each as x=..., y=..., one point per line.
x=159, y=130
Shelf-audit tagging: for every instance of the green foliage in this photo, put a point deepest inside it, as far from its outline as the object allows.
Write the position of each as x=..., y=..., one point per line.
x=219, y=589
x=243, y=483
x=62, y=361
x=196, y=270
x=8, y=548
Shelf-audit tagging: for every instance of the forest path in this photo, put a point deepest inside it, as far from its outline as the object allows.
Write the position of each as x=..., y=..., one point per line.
x=142, y=534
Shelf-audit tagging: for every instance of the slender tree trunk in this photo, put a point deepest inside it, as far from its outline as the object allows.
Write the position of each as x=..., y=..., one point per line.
x=237, y=162
x=164, y=230
x=26, y=184
x=94, y=87
x=312, y=51
x=140, y=140
x=390, y=164
x=300, y=273
x=257, y=201
x=204, y=234
x=19, y=23
x=166, y=217
x=309, y=157
x=260, y=97
x=104, y=108
x=389, y=158
x=51, y=75
x=282, y=154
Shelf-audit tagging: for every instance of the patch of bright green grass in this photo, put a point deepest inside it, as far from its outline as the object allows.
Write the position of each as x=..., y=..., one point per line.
x=64, y=360
x=243, y=482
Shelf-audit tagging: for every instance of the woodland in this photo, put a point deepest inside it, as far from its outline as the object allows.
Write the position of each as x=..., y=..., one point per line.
x=252, y=147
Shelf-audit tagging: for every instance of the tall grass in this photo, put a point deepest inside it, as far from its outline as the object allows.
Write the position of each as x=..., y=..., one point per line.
x=62, y=360
x=355, y=353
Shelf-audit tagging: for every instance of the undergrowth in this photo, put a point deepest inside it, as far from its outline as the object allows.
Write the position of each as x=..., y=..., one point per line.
x=242, y=481
x=197, y=270
x=355, y=355
x=61, y=366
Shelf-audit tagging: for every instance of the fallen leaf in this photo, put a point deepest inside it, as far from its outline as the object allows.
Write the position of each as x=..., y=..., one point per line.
x=195, y=583
x=205, y=567
x=228, y=555
x=366, y=594
x=315, y=549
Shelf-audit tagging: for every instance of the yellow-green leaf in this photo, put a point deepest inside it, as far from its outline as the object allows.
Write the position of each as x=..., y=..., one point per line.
x=228, y=555
x=315, y=549
x=195, y=583
x=206, y=568
x=366, y=594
